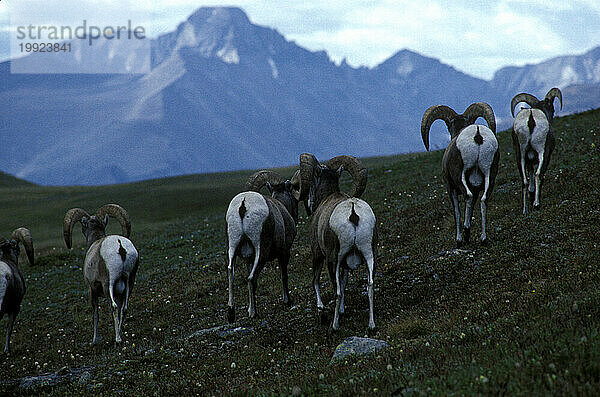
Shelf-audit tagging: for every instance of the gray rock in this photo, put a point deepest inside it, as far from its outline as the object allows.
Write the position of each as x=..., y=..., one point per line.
x=357, y=345
x=50, y=379
x=223, y=331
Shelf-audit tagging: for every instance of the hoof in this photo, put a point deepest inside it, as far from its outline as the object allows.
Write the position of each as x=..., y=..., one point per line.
x=484, y=241
x=371, y=331
x=230, y=315
x=536, y=207
x=459, y=244
x=466, y=234
x=323, y=317
x=289, y=302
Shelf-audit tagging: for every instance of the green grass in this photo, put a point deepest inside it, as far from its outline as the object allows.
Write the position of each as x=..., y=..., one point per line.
x=519, y=316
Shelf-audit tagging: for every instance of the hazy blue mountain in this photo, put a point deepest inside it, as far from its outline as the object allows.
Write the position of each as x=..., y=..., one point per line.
x=226, y=94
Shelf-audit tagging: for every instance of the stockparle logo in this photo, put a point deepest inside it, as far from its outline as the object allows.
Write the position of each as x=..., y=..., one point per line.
x=77, y=37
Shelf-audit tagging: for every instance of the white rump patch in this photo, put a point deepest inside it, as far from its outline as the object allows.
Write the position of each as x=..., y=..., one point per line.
x=536, y=138
x=116, y=266
x=347, y=233
x=257, y=212
x=474, y=155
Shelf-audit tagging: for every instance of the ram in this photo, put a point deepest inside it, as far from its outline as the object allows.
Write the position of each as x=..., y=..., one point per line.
x=12, y=284
x=110, y=263
x=343, y=229
x=260, y=229
x=533, y=142
x=470, y=162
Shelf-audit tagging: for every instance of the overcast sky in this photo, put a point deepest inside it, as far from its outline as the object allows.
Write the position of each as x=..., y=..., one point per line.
x=477, y=39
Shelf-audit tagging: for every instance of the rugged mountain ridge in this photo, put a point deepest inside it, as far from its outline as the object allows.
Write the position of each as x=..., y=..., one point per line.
x=226, y=94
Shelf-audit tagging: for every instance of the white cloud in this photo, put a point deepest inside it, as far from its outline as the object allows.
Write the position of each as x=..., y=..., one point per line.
x=475, y=37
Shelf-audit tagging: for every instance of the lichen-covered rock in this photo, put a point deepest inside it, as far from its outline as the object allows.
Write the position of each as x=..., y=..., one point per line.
x=357, y=345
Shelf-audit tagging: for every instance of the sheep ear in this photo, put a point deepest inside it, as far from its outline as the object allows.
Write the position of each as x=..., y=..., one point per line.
x=269, y=187
x=106, y=220
x=340, y=170
x=84, y=220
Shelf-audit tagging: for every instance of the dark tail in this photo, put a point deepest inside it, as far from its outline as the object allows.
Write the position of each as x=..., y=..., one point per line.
x=354, y=218
x=242, y=211
x=478, y=138
x=122, y=252
x=531, y=122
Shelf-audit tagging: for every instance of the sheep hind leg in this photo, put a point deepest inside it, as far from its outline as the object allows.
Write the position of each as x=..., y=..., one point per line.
x=283, y=264
x=317, y=268
x=344, y=281
x=456, y=207
x=524, y=183
x=230, y=275
x=339, y=295
x=483, y=204
x=123, y=309
x=9, y=329
x=252, y=298
x=116, y=319
x=369, y=258
x=538, y=182
x=252, y=283
x=94, y=300
x=468, y=215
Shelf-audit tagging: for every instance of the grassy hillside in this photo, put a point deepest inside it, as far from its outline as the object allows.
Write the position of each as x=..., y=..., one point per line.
x=519, y=316
x=10, y=181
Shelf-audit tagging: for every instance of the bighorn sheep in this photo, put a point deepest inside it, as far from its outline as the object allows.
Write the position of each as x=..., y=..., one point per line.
x=111, y=262
x=12, y=284
x=470, y=162
x=533, y=141
x=343, y=229
x=260, y=229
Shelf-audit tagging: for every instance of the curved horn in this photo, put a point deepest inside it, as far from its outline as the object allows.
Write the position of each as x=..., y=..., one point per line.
x=481, y=109
x=354, y=168
x=308, y=162
x=555, y=93
x=432, y=114
x=23, y=235
x=295, y=181
x=72, y=216
x=260, y=178
x=522, y=97
x=119, y=213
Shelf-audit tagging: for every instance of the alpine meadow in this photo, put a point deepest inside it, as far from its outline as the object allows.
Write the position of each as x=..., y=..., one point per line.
x=518, y=316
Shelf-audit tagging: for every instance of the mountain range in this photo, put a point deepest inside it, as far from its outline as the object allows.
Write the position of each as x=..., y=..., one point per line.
x=226, y=94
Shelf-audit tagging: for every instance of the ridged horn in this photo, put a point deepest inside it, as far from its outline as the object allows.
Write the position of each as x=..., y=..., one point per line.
x=259, y=179
x=308, y=162
x=481, y=109
x=522, y=97
x=72, y=216
x=295, y=181
x=23, y=235
x=555, y=93
x=432, y=114
x=119, y=213
x=355, y=168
